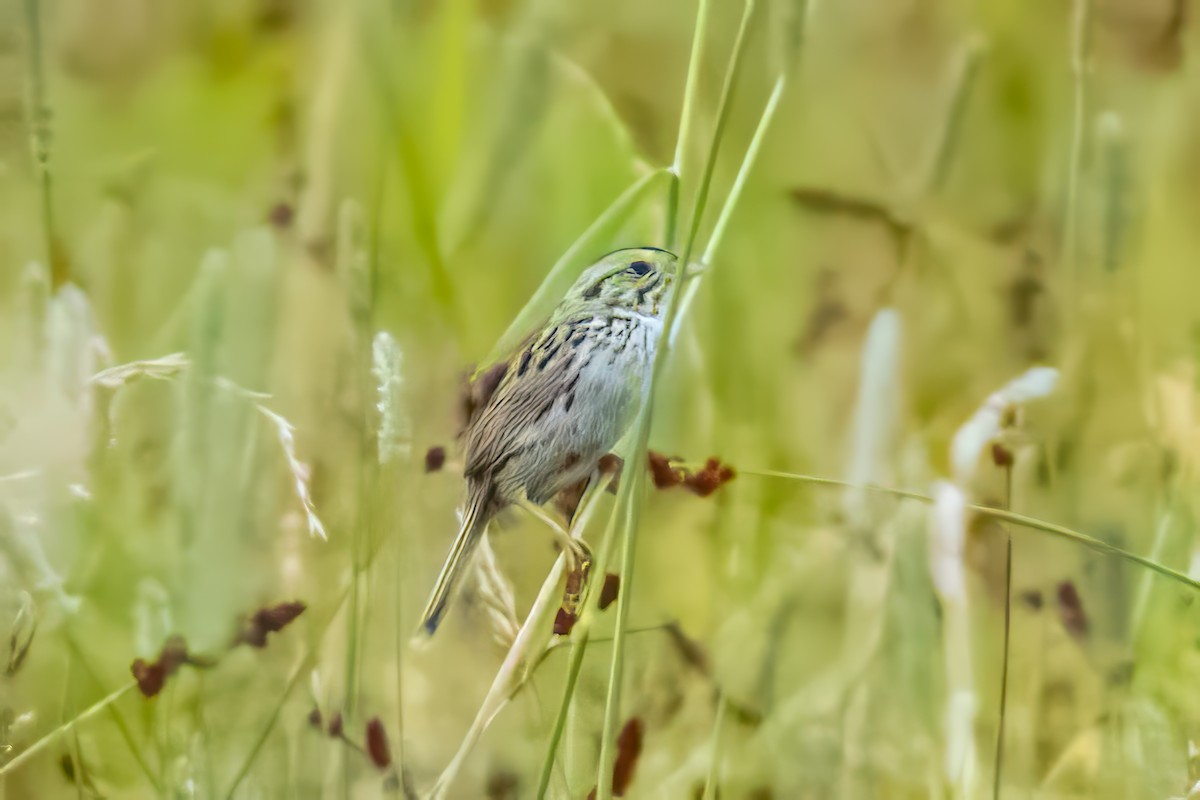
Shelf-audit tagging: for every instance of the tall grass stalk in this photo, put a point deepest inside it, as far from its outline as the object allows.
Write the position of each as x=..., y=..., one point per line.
x=521, y=658
x=1081, y=21
x=314, y=207
x=39, y=113
x=50, y=737
x=633, y=490
x=998, y=771
x=114, y=714
x=731, y=200
x=580, y=636
x=303, y=667
x=684, y=139
x=416, y=177
x=716, y=750
x=353, y=269
x=942, y=148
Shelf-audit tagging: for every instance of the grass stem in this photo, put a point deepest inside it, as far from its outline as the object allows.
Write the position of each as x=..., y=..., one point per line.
x=998, y=774
x=686, y=116
x=50, y=737
x=633, y=490
x=1032, y=523
x=714, y=758
x=39, y=116
x=1081, y=16
x=580, y=635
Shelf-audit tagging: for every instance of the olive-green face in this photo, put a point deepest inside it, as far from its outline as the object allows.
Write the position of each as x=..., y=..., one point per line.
x=636, y=279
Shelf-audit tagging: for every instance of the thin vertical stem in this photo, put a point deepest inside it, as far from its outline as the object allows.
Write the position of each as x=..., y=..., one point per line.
x=942, y=151
x=723, y=114
x=683, y=140
x=40, y=135
x=580, y=636
x=633, y=498
x=997, y=780
x=417, y=181
x=739, y=182
x=1080, y=51
x=714, y=760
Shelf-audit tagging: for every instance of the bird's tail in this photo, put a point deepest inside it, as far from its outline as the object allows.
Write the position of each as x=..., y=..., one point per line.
x=474, y=523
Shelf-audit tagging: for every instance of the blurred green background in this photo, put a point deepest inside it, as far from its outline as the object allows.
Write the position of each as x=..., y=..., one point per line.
x=266, y=185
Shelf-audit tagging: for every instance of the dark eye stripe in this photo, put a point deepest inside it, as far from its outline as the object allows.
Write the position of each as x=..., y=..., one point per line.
x=641, y=293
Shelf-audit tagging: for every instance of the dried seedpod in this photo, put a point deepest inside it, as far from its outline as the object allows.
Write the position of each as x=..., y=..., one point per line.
x=708, y=480
x=610, y=590
x=272, y=619
x=435, y=459
x=564, y=621
x=151, y=676
x=1070, y=610
x=702, y=483
x=663, y=474
x=629, y=748
x=377, y=744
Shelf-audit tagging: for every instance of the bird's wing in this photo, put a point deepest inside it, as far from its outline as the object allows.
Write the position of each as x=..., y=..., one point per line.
x=544, y=370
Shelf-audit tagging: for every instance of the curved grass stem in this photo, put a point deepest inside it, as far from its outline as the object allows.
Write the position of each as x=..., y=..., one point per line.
x=1031, y=523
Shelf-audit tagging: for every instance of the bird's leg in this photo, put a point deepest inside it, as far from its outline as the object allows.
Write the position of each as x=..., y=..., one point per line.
x=587, y=504
x=577, y=552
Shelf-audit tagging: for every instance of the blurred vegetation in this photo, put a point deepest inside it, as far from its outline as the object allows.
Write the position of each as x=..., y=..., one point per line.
x=242, y=196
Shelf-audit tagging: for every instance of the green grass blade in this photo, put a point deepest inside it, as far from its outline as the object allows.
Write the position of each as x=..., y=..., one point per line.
x=1032, y=523
x=564, y=270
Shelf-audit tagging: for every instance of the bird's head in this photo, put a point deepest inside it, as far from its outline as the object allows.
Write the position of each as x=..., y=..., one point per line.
x=636, y=279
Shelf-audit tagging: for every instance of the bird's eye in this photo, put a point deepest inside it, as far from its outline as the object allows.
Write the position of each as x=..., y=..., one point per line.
x=639, y=268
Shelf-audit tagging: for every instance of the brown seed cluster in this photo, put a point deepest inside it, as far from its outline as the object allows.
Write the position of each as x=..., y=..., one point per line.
x=435, y=459
x=702, y=482
x=254, y=629
x=375, y=739
x=151, y=676
x=564, y=621
x=377, y=744
x=1070, y=609
x=1001, y=456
